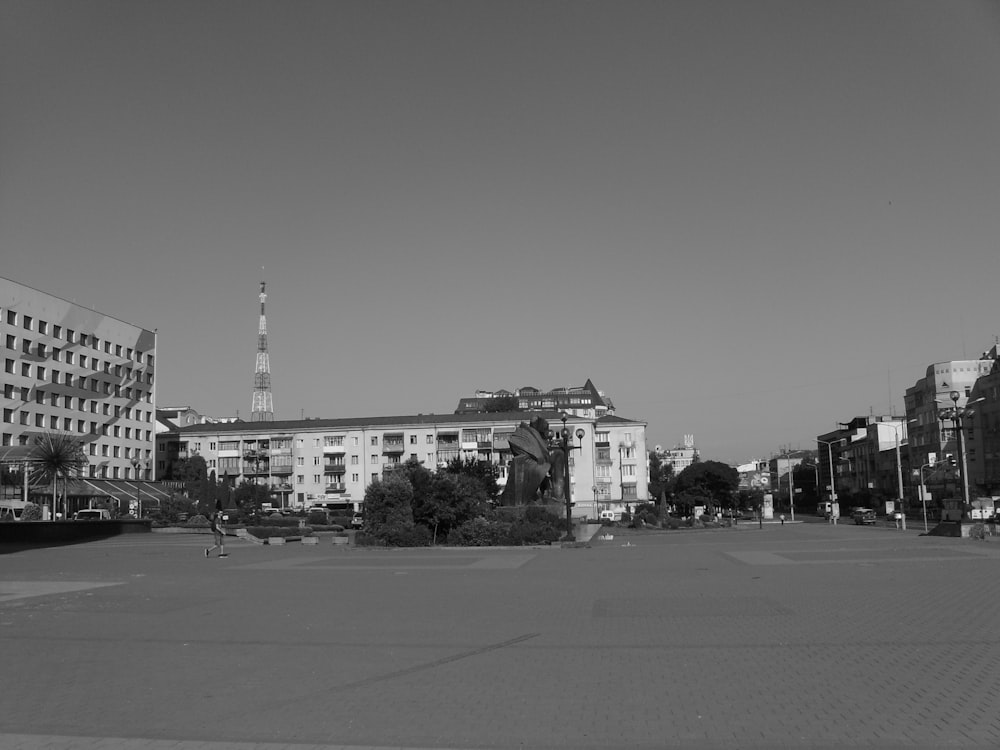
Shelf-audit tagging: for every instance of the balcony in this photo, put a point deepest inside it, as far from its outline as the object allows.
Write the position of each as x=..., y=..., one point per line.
x=334, y=449
x=338, y=467
x=257, y=468
x=393, y=447
x=281, y=469
x=336, y=488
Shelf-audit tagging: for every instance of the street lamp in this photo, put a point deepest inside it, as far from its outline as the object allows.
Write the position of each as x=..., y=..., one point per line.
x=958, y=414
x=923, y=489
x=564, y=443
x=833, y=485
x=897, y=429
x=137, y=463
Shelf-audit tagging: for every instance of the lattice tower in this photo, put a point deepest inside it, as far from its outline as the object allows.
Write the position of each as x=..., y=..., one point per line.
x=262, y=409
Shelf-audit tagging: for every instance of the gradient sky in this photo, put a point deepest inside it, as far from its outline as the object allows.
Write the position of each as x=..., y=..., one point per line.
x=742, y=220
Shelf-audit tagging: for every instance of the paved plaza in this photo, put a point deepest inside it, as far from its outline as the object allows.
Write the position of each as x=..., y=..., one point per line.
x=797, y=636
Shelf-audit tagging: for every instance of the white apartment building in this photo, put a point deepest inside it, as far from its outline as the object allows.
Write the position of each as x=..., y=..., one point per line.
x=334, y=460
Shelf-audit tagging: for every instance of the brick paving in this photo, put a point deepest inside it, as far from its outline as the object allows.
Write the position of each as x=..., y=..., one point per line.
x=797, y=636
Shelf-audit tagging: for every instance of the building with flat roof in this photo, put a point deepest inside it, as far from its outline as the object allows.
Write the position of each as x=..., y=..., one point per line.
x=581, y=401
x=69, y=369
x=334, y=460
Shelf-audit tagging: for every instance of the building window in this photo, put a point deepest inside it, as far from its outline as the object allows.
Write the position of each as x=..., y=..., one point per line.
x=430, y=440
x=374, y=459
x=374, y=440
x=413, y=439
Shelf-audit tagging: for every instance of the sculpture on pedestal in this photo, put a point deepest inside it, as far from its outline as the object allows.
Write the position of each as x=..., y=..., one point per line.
x=528, y=475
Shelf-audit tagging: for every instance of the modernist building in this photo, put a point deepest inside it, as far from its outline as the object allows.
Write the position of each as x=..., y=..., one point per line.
x=581, y=401
x=334, y=460
x=70, y=369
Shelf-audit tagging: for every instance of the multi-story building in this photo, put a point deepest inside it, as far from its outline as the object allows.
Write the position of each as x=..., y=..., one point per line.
x=680, y=456
x=867, y=454
x=334, y=460
x=983, y=430
x=932, y=437
x=70, y=369
x=581, y=401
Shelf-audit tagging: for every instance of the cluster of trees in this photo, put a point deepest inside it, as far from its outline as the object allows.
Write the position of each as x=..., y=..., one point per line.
x=707, y=483
x=413, y=506
x=205, y=493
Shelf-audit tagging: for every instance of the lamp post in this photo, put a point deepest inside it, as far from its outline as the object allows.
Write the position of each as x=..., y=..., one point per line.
x=137, y=463
x=897, y=429
x=958, y=414
x=565, y=444
x=923, y=490
x=833, y=486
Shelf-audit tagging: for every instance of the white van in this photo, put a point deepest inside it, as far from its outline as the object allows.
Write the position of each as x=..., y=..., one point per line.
x=610, y=515
x=92, y=514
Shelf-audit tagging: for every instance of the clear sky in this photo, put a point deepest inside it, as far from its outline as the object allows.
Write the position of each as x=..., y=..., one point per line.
x=743, y=220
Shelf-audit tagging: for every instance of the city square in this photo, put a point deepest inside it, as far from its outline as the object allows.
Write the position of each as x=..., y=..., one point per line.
x=796, y=635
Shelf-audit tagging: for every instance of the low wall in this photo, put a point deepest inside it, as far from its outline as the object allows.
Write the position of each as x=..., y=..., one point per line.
x=67, y=532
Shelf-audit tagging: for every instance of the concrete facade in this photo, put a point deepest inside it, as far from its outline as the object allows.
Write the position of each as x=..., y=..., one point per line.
x=334, y=460
x=69, y=369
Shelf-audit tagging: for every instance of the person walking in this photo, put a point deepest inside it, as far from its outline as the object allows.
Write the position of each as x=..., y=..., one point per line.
x=219, y=533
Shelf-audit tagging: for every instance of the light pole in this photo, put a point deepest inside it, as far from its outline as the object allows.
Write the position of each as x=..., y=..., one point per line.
x=137, y=463
x=564, y=443
x=923, y=490
x=833, y=485
x=897, y=429
x=958, y=414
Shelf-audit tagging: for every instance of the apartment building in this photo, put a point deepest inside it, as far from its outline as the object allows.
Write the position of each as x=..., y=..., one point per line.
x=334, y=460
x=983, y=430
x=581, y=401
x=867, y=454
x=933, y=438
x=70, y=369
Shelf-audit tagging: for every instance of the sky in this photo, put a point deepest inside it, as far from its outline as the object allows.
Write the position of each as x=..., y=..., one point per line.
x=746, y=221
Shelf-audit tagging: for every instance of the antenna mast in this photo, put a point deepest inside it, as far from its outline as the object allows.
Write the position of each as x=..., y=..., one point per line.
x=262, y=409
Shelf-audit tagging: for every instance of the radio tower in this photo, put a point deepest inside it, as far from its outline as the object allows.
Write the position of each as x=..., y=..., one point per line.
x=262, y=409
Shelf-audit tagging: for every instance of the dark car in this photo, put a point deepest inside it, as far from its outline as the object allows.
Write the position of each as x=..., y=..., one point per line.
x=863, y=516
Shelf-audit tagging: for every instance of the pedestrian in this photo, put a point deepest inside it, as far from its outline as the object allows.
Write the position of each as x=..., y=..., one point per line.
x=219, y=534
x=782, y=519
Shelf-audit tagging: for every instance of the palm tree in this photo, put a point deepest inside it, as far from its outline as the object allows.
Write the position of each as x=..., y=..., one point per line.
x=57, y=456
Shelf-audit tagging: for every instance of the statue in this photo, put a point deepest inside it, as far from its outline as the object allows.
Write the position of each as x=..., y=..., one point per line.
x=528, y=473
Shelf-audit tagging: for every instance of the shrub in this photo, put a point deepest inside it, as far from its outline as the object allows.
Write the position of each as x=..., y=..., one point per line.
x=406, y=535
x=673, y=522
x=263, y=532
x=318, y=517
x=479, y=532
x=198, y=521
x=31, y=512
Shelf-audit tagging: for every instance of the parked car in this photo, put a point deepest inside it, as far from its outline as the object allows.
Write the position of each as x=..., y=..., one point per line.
x=863, y=516
x=357, y=521
x=92, y=514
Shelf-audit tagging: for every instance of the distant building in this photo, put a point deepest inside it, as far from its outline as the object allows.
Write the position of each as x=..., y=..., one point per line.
x=334, y=460
x=983, y=430
x=580, y=401
x=680, y=456
x=864, y=458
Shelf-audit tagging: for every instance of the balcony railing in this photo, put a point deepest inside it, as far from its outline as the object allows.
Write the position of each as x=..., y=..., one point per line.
x=394, y=446
x=335, y=488
x=334, y=468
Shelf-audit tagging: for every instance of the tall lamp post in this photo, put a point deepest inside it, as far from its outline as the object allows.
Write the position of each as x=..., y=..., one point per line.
x=137, y=464
x=833, y=485
x=897, y=429
x=567, y=446
x=958, y=414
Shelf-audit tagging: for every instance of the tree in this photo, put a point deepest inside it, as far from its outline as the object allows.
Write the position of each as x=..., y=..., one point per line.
x=57, y=456
x=483, y=472
x=501, y=403
x=450, y=500
x=712, y=479
x=660, y=477
x=389, y=508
